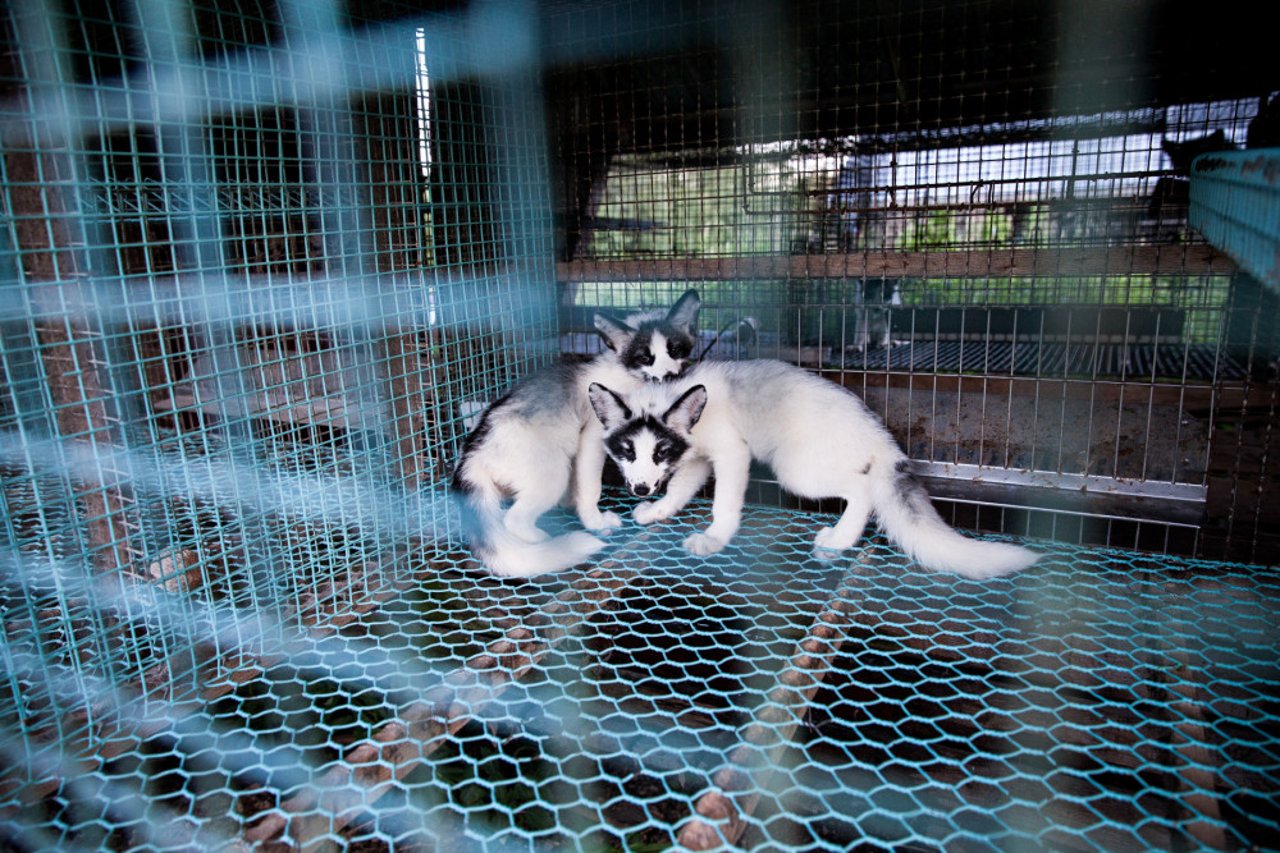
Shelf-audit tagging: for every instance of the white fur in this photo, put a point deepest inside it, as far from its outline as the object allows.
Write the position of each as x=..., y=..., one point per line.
x=643, y=471
x=821, y=442
x=509, y=554
x=543, y=445
x=536, y=459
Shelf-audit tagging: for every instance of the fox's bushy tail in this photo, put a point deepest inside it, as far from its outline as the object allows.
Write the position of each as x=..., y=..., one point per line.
x=908, y=518
x=504, y=553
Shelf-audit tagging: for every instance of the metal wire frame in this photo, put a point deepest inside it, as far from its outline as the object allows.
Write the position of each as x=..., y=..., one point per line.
x=234, y=608
x=759, y=698
x=223, y=340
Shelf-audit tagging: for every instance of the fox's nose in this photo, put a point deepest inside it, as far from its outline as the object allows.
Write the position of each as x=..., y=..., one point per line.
x=640, y=489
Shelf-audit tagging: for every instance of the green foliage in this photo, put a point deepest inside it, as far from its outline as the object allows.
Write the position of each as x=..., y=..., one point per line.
x=933, y=231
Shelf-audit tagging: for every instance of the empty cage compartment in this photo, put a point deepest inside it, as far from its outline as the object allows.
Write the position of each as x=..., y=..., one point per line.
x=268, y=264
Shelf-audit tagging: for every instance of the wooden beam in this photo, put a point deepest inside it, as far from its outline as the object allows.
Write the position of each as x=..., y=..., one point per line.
x=72, y=352
x=406, y=368
x=1141, y=393
x=1182, y=259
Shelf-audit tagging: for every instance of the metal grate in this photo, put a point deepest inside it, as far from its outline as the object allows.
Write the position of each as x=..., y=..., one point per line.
x=265, y=263
x=1233, y=199
x=1105, y=699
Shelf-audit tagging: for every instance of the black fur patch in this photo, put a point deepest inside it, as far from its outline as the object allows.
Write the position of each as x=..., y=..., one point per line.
x=679, y=345
x=639, y=353
x=668, y=447
x=621, y=445
x=472, y=529
x=474, y=439
x=911, y=492
x=549, y=388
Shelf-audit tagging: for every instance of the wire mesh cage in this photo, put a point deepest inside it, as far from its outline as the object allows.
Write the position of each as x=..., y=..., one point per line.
x=267, y=264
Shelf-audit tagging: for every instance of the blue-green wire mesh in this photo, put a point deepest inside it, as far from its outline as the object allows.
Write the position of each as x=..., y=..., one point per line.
x=263, y=268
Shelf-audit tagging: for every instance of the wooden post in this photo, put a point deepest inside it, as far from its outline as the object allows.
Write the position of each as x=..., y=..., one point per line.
x=722, y=811
x=370, y=769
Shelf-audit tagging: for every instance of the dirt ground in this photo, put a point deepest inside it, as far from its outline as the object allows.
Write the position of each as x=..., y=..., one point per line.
x=1130, y=439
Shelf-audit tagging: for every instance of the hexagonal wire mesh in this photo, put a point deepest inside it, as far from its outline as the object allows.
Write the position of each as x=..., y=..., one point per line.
x=270, y=260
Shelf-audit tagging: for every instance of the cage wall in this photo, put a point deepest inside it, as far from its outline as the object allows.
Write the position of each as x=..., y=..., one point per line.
x=264, y=263
x=267, y=262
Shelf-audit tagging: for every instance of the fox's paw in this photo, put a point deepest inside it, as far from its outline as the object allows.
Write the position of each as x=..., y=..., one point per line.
x=702, y=544
x=650, y=512
x=828, y=540
x=606, y=523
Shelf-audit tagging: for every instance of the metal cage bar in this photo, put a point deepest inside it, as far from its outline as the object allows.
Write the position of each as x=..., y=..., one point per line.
x=268, y=263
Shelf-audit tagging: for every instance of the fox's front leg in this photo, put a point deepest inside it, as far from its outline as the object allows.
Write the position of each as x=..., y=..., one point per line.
x=684, y=484
x=588, y=472
x=732, y=469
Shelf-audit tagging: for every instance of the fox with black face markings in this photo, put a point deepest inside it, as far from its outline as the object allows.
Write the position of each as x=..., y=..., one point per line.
x=820, y=440
x=647, y=450
x=540, y=442
x=657, y=344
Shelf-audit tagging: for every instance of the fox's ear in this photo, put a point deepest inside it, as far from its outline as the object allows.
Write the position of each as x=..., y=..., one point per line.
x=609, y=407
x=684, y=314
x=616, y=333
x=684, y=413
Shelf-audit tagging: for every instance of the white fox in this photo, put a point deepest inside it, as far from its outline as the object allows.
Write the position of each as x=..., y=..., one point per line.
x=538, y=439
x=820, y=440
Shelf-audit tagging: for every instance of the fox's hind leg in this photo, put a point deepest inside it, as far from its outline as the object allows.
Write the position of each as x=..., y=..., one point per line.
x=849, y=528
x=539, y=495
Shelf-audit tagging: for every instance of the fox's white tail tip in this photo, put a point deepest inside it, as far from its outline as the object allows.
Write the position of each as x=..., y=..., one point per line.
x=515, y=559
x=908, y=517
x=979, y=560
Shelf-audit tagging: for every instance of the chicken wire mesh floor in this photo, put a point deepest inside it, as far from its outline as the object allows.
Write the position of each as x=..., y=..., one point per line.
x=761, y=697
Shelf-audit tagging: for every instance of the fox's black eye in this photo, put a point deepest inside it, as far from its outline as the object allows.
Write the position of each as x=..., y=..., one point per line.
x=662, y=451
x=647, y=359
x=678, y=349
x=621, y=449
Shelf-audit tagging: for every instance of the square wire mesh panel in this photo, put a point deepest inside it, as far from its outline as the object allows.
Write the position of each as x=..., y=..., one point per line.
x=975, y=214
x=266, y=263
x=262, y=262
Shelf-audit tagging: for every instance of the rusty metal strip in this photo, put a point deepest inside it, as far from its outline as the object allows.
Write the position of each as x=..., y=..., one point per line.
x=983, y=263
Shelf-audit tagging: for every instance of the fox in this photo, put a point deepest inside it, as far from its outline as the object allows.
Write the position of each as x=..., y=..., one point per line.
x=539, y=444
x=820, y=440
